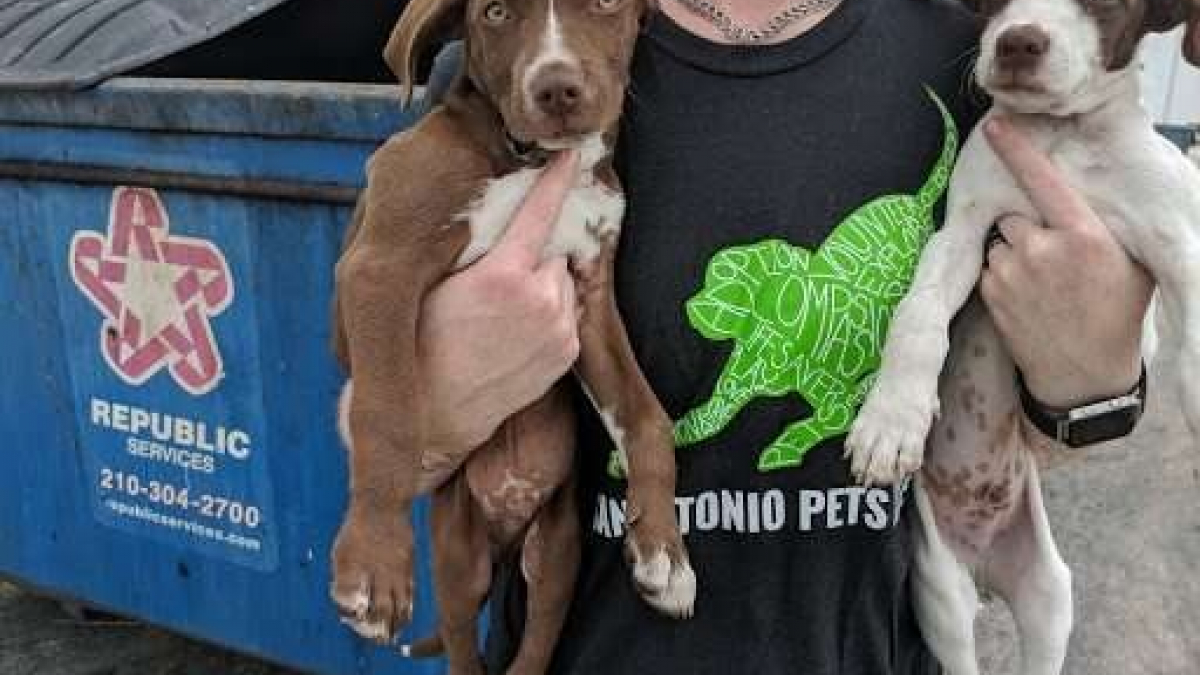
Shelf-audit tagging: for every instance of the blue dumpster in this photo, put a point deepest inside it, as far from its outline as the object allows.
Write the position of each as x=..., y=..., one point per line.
x=167, y=412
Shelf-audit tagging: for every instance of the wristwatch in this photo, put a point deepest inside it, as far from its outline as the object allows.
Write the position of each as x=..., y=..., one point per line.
x=1090, y=423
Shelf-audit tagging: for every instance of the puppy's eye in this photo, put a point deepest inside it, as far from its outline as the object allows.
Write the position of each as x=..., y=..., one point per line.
x=606, y=6
x=496, y=12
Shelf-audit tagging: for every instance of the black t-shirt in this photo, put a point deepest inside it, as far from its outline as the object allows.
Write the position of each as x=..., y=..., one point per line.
x=778, y=200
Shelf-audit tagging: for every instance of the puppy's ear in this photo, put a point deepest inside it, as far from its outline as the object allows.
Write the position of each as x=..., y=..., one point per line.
x=1166, y=15
x=1191, y=39
x=423, y=24
x=648, y=9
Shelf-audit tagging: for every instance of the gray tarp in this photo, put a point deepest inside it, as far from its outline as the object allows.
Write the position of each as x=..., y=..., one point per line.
x=76, y=43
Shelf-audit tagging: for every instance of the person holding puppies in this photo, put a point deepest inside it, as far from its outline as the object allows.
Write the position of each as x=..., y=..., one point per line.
x=784, y=162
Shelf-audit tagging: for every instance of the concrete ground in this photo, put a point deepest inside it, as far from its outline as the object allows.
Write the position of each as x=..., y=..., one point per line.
x=1126, y=516
x=37, y=637
x=1127, y=521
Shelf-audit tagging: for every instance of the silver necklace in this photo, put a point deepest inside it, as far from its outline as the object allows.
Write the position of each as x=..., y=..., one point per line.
x=739, y=34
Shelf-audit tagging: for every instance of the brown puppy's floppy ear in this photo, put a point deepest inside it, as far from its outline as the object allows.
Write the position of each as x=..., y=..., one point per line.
x=423, y=24
x=649, y=9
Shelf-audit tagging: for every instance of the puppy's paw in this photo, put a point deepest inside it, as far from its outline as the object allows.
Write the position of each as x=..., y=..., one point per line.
x=372, y=579
x=887, y=440
x=664, y=578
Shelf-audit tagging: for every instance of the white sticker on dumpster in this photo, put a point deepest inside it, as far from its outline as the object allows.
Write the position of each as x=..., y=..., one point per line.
x=166, y=369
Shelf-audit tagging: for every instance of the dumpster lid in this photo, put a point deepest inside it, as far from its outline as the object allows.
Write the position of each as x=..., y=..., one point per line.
x=70, y=44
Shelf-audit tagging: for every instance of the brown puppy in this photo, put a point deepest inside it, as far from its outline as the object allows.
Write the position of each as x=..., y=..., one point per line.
x=539, y=75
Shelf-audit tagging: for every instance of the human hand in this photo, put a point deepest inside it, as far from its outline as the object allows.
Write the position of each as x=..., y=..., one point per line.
x=496, y=335
x=1065, y=296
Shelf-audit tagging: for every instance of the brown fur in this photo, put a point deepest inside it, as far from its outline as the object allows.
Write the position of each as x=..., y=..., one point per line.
x=515, y=490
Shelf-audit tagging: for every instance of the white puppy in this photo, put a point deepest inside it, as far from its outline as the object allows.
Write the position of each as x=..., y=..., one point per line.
x=1064, y=72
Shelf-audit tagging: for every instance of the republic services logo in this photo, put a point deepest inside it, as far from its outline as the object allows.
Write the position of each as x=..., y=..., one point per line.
x=158, y=293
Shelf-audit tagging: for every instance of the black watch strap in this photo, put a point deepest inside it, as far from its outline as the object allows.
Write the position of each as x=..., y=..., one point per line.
x=1090, y=423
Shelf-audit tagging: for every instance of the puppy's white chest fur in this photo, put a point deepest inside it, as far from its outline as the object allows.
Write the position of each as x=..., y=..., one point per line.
x=591, y=214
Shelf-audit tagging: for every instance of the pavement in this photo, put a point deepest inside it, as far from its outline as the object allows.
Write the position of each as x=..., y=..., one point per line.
x=1126, y=517
x=38, y=637
x=1127, y=520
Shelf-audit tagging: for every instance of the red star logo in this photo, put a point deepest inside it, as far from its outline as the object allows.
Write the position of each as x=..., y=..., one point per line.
x=157, y=292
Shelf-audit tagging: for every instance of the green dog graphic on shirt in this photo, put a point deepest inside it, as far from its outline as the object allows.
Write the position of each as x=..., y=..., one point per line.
x=809, y=323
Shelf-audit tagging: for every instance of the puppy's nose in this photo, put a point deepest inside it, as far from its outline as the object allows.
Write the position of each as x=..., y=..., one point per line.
x=558, y=92
x=1022, y=47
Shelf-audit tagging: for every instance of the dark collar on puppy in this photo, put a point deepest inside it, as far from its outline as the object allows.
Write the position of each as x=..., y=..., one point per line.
x=528, y=154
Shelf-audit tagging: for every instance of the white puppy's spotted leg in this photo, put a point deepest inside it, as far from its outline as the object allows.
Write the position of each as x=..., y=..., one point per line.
x=1025, y=568
x=944, y=595
x=887, y=439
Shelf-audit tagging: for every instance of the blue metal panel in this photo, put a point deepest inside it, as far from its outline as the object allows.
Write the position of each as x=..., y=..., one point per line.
x=293, y=160
x=171, y=560
x=345, y=112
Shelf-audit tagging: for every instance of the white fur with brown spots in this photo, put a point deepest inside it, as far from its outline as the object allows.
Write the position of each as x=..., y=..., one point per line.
x=1064, y=72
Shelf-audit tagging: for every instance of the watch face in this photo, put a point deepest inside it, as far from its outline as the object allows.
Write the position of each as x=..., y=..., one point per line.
x=1113, y=424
